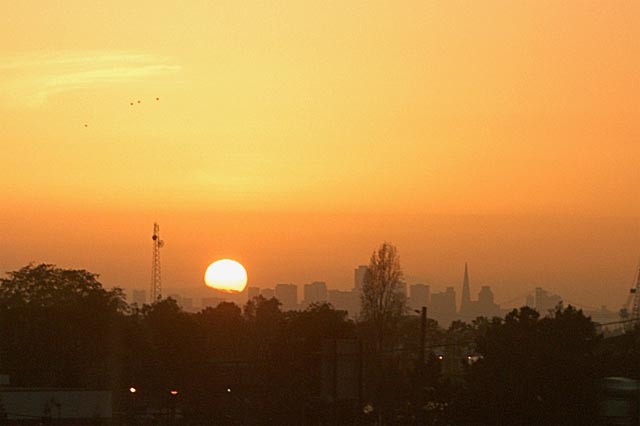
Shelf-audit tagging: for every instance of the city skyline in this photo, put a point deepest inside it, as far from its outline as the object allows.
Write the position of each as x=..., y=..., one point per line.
x=506, y=283
x=464, y=302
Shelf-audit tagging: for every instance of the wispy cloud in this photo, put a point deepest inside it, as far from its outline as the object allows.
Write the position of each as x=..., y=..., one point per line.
x=31, y=79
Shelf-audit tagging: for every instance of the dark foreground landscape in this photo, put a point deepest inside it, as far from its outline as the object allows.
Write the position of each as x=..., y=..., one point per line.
x=73, y=352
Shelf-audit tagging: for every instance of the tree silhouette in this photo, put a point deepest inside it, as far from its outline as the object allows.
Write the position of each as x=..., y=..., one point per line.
x=383, y=301
x=383, y=305
x=46, y=285
x=535, y=371
x=62, y=321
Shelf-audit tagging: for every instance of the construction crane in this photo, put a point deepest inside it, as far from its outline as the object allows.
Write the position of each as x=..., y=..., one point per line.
x=631, y=309
x=156, y=282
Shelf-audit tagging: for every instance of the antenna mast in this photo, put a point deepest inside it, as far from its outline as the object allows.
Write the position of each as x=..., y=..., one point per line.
x=631, y=309
x=156, y=282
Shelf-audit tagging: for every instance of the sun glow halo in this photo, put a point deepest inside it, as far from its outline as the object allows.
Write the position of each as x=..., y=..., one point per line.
x=226, y=275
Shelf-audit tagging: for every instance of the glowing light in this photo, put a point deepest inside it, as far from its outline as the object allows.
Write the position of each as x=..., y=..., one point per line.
x=226, y=275
x=133, y=390
x=173, y=392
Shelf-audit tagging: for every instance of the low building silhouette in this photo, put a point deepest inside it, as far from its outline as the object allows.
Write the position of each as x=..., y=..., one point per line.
x=485, y=306
x=345, y=301
x=268, y=293
x=252, y=292
x=315, y=292
x=287, y=294
x=546, y=301
x=443, y=306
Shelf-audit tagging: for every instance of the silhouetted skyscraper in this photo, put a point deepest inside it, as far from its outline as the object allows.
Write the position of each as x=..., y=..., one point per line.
x=315, y=292
x=359, y=274
x=287, y=294
x=443, y=306
x=419, y=295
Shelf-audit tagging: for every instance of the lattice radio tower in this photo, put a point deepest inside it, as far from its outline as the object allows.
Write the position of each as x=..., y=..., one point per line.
x=631, y=309
x=156, y=282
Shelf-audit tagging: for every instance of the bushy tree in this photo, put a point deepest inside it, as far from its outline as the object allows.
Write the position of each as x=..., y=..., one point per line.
x=62, y=325
x=535, y=371
x=45, y=285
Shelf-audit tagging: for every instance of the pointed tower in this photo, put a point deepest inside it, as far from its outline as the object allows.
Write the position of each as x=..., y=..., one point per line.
x=465, y=302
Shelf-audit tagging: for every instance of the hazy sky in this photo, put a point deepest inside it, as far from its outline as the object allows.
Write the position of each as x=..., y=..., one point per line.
x=297, y=136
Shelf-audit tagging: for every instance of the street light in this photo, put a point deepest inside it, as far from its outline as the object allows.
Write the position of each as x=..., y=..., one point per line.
x=132, y=403
x=174, y=395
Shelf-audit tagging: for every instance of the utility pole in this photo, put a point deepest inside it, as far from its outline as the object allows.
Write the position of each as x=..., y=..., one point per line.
x=420, y=367
x=423, y=336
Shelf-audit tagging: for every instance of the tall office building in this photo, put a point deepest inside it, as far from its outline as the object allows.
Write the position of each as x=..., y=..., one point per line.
x=287, y=294
x=358, y=277
x=315, y=292
x=419, y=296
x=443, y=306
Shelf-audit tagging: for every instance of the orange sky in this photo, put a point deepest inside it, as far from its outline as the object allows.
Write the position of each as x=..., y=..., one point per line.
x=297, y=136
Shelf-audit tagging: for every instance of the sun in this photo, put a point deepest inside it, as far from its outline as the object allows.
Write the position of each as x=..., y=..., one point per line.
x=226, y=275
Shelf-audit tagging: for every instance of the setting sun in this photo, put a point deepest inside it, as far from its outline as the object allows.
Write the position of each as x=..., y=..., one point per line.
x=226, y=275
